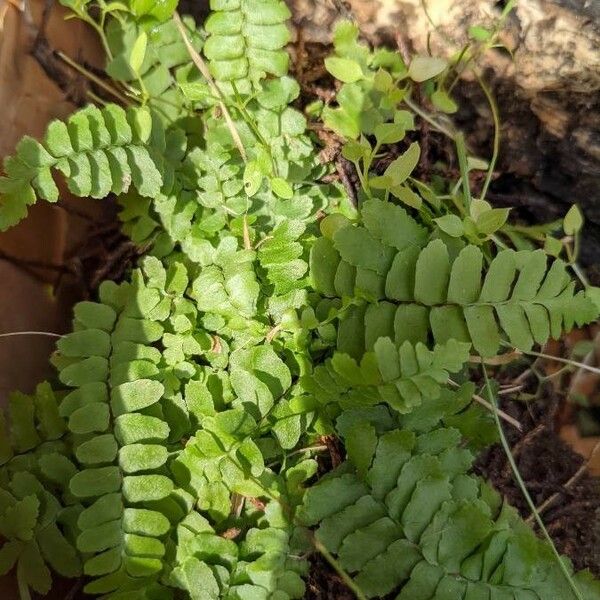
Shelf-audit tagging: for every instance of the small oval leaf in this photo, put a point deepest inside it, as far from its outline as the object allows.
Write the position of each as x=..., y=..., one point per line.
x=344, y=69
x=423, y=68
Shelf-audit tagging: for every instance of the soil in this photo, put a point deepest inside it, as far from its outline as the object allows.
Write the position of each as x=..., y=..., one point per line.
x=324, y=583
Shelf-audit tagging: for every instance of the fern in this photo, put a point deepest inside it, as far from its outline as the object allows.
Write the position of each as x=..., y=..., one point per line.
x=388, y=261
x=402, y=376
x=210, y=566
x=208, y=188
x=223, y=458
x=139, y=393
x=127, y=415
x=165, y=73
x=403, y=516
x=263, y=558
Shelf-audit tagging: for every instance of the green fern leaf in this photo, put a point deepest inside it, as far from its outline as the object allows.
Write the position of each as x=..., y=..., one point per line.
x=36, y=473
x=401, y=376
x=414, y=527
x=120, y=413
x=87, y=150
x=517, y=299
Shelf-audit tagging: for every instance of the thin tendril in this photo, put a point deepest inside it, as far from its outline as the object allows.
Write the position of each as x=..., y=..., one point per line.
x=43, y=333
x=565, y=361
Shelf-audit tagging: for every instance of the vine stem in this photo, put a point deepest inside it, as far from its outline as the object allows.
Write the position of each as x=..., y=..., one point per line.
x=523, y=488
x=339, y=570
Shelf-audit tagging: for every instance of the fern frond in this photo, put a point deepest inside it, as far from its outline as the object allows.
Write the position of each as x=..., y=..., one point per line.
x=127, y=414
x=228, y=287
x=246, y=41
x=97, y=151
x=174, y=463
x=400, y=376
x=223, y=457
x=403, y=516
x=415, y=290
x=33, y=537
x=403, y=375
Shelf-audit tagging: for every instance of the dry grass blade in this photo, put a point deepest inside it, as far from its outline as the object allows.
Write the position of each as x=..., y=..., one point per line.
x=203, y=68
x=502, y=359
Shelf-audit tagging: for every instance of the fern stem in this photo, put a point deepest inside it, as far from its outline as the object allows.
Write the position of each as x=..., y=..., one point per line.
x=95, y=98
x=98, y=27
x=511, y=420
x=201, y=66
x=459, y=139
x=424, y=115
x=239, y=104
x=524, y=491
x=338, y=569
x=461, y=151
x=24, y=593
x=580, y=274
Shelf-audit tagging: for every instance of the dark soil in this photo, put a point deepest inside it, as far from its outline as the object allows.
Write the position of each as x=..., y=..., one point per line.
x=324, y=583
x=105, y=254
